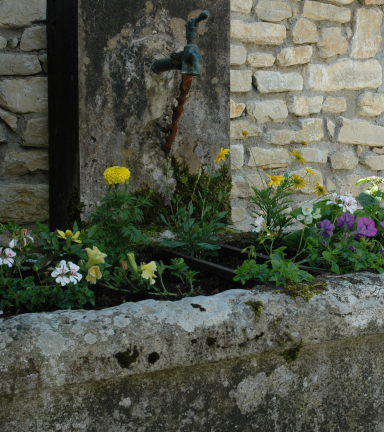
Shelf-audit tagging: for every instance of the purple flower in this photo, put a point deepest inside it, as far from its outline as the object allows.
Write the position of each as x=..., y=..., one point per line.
x=382, y=224
x=365, y=228
x=324, y=243
x=327, y=228
x=346, y=220
x=352, y=248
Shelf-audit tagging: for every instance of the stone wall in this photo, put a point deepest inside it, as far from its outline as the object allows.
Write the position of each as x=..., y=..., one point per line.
x=23, y=111
x=306, y=71
x=201, y=364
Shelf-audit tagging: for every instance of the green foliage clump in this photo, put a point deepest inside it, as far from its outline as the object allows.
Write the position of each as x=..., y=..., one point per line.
x=256, y=306
x=186, y=181
x=292, y=354
x=151, y=214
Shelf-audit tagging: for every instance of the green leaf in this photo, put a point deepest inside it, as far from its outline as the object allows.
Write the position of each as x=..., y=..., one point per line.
x=293, y=239
x=172, y=243
x=367, y=200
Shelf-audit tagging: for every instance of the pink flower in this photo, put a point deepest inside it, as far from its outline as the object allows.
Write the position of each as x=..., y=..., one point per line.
x=365, y=228
x=7, y=256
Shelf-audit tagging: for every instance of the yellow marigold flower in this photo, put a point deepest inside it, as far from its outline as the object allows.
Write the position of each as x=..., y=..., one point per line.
x=276, y=180
x=304, y=143
x=298, y=157
x=94, y=273
x=298, y=182
x=221, y=155
x=68, y=233
x=148, y=271
x=320, y=190
x=116, y=175
x=94, y=257
x=309, y=171
x=245, y=133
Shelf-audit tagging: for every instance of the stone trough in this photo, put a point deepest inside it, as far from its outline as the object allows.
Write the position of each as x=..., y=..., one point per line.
x=201, y=364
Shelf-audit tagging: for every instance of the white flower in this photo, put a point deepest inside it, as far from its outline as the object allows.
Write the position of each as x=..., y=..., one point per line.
x=300, y=217
x=308, y=219
x=348, y=203
x=6, y=257
x=74, y=276
x=61, y=272
x=24, y=238
x=335, y=199
x=259, y=224
x=307, y=208
x=317, y=214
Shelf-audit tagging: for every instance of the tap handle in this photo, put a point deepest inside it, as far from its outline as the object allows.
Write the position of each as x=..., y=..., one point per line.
x=203, y=16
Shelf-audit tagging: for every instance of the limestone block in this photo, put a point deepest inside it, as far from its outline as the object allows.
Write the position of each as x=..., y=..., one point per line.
x=311, y=130
x=240, y=187
x=260, y=33
x=3, y=42
x=241, y=6
x=335, y=105
x=13, y=42
x=3, y=133
x=330, y=127
x=305, y=31
x=238, y=214
x=236, y=109
x=325, y=12
x=310, y=180
x=24, y=203
x=315, y=155
x=239, y=126
x=376, y=163
x=241, y=81
x=345, y=160
x=275, y=82
x=304, y=106
x=378, y=150
x=237, y=156
x=16, y=64
x=372, y=2
x=43, y=58
x=273, y=10
x=36, y=133
x=294, y=56
x=24, y=95
x=366, y=41
x=238, y=55
x=332, y=42
x=263, y=158
x=24, y=163
x=258, y=60
x=361, y=132
x=344, y=75
x=22, y=13
x=265, y=111
x=341, y=2
x=371, y=104
x=9, y=118
x=254, y=180
x=34, y=38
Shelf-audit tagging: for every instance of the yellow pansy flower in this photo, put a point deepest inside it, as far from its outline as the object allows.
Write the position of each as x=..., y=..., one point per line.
x=94, y=273
x=298, y=182
x=276, y=180
x=116, y=175
x=221, y=155
x=148, y=271
x=320, y=190
x=94, y=257
x=68, y=233
x=309, y=171
x=298, y=157
x=304, y=143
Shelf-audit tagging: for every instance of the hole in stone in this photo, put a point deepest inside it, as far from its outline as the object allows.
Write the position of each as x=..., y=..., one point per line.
x=153, y=357
x=197, y=306
x=194, y=341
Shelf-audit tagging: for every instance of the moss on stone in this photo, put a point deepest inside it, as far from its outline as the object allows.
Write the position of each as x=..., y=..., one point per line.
x=211, y=341
x=125, y=358
x=256, y=306
x=305, y=291
x=283, y=340
x=185, y=183
x=292, y=354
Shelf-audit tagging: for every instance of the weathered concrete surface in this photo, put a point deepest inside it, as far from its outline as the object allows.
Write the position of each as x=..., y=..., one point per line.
x=200, y=364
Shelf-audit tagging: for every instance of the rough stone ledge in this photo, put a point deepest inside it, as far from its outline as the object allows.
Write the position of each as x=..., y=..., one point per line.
x=48, y=350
